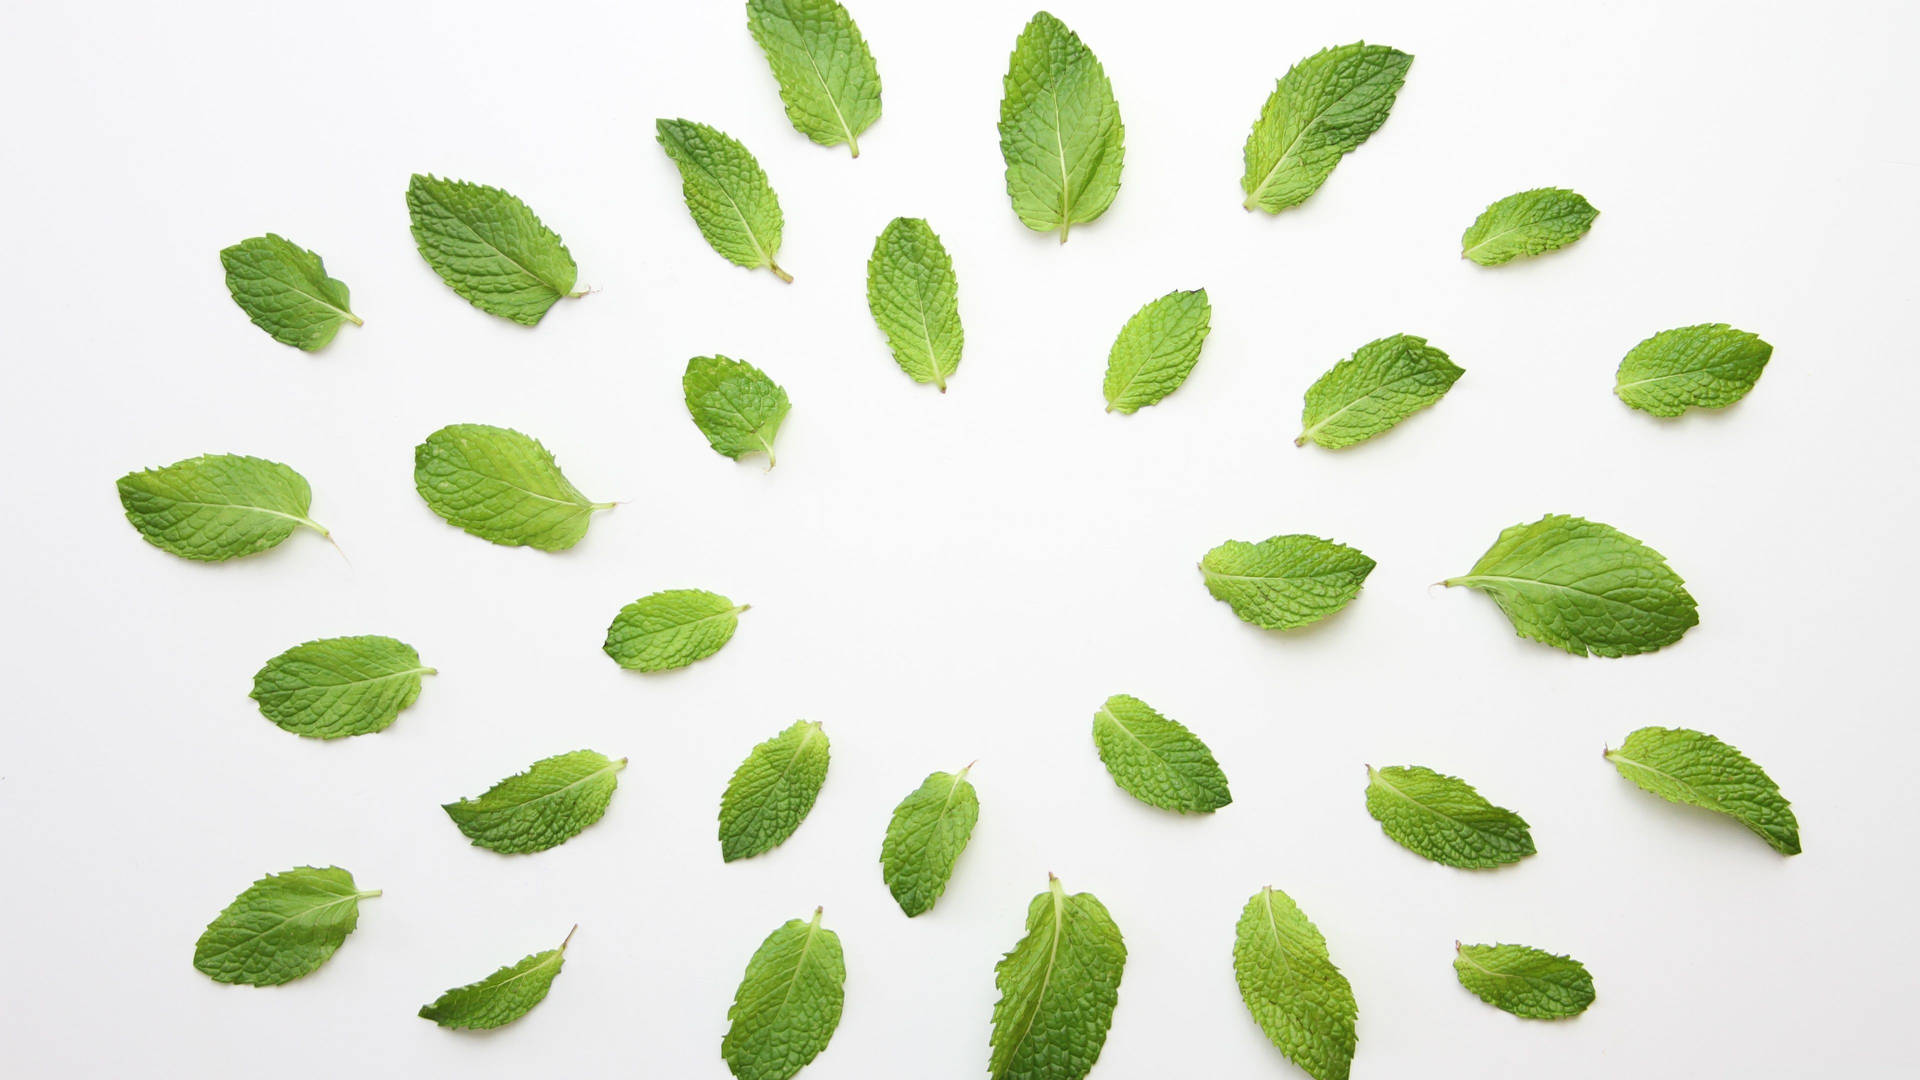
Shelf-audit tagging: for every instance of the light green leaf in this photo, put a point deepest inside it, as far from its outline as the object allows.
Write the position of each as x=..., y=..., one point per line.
x=544, y=807
x=772, y=791
x=1694, y=768
x=671, y=629
x=1156, y=760
x=1381, y=384
x=1584, y=587
x=1060, y=130
x=501, y=486
x=827, y=79
x=335, y=687
x=1709, y=366
x=285, y=290
x=1291, y=987
x=1284, y=582
x=1321, y=110
x=502, y=997
x=788, y=1003
x=1528, y=223
x=1156, y=350
x=1527, y=982
x=282, y=927
x=489, y=247
x=727, y=193
x=734, y=405
x=915, y=298
x=217, y=506
x=928, y=832
x=1058, y=988
x=1444, y=819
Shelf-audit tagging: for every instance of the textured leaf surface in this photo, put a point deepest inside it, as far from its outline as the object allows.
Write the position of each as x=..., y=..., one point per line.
x=217, y=506
x=1694, y=768
x=1156, y=760
x=928, y=832
x=772, y=791
x=502, y=997
x=282, y=927
x=285, y=290
x=727, y=193
x=915, y=298
x=541, y=808
x=734, y=405
x=1322, y=108
x=1284, y=582
x=1381, y=384
x=340, y=686
x=1524, y=981
x=489, y=247
x=827, y=79
x=1709, y=366
x=1058, y=988
x=1060, y=130
x=1527, y=223
x=1444, y=819
x=1291, y=987
x=1156, y=350
x=671, y=629
x=501, y=486
x=788, y=1003
x=1584, y=587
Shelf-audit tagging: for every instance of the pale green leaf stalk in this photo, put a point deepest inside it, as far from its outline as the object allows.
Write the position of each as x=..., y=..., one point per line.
x=925, y=837
x=491, y=248
x=502, y=997
x=1291, y=987
x=544, y=807
x=1694, y=768
x=915, y=299
x=501, y=486
x=285, y=290
x=1060, y=130
x=1285, y=582
x=1709, y=366
x=282, y=927
x=671, y=629
x=827, y=78
x=727, y=193
x=1530, y=983
x=1322, y=109
x=1157, y=760
x=1156, y=350
x=1443, y=818
x=734, y=405
x=218, y=506
x=1527, y=224
x=1381, y=384
x=336, y=687
x=788, y=1003
x=772, y=791
x=1058, y=989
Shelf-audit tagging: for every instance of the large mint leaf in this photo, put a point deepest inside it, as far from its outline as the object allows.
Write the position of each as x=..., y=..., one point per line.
x=1285, y=582
x=1156, y=350
x=925, y=837
x=788, y=1003
x=727, y=193
x=1291, y=987
x=1526, y=224
x=772, y=791
x=914, y=297
x=544, y=807
x=1157, y=760
x=1381, y=384
x=282, y=927
x=217, y=506
x=1060, y=130
x=489, y=247
x=1529, y=983
x=1444, y=819
x=1058, y=989
x=335, y=687
x=1322, y=109
x=501, y=486
x=671, y=629
x=1709, y=366
x=1692, y=767
x=827, y=79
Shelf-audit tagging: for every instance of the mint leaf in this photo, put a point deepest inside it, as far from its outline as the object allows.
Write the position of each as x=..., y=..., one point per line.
x=772, y=791
x=1322, y=109
x=928, y=832
x=1058, y=988
x=671, y=629
x=217, y=506
x=1444, y=819
x=1156, y=760
x=285, y=290
x=827, y=79
x=1584, y=587
x=1291, y=987
x=282, y=927
x=502, y=997
x=335, y=687
x=542, y=808
x=1527, y=982
x=1284, y=582
x=734, y=405
x=1156, y=350
x=1709, y=366
x=915, y=298
x=788, y=1003
x=727, y=193
x=1381, y=384
x=501, y=486
x=1528, y=223
x=1060, y=130
x=1694, y=768
x=489, y=247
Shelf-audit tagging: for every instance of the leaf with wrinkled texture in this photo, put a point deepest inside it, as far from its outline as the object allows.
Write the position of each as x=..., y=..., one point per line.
x=1323, y=108
x=1060, y=130
x=1709, y=366
x=915, y=299
x=544, y=807
x=502, y=997
x=1058, y=989
x=282, y=927
x=1692, y=767
x=671, y=629
x=827, y=78
x=1285, y=582
x=1381, y=384
x=335, y=687
x=501, y=486
x=1444, y=819
x=788, y=1003
x=925, y=837
x=1291, y=987
x=1529, y=983
x=490, y=247
x=727, y=193
x=772, y=791
x=217, y=506
x=734, y=405
x=285, y=290
x=1156, y=350
x=1157, y=760
x=1526, y=224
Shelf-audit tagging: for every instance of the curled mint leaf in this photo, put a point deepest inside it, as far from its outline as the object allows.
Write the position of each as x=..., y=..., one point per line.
x=734, y=405
x=489, y=247
x=1692, y=767
x=544, y=807
x=335, y=687
x=1285, y=582
x=1529, y=983
x=285, y=290
x=502, y=997
x=217, y=506
x=1444, y=819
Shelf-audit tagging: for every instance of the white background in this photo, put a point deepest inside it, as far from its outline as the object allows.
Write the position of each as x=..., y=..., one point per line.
x=944, y=578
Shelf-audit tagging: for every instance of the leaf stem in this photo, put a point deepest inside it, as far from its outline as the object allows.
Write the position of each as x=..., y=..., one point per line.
x=779, y=273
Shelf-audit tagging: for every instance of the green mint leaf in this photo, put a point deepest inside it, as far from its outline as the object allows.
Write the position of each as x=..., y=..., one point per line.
x=827, y=79
x=772, y=791
x=544, y=807
x=1584, y=587
x=501, y=486
x=489, y=247
x=285, y=290
x=1157, y=760
x=282, y=927
x=1442, y=818
x=217, y=506
x=1058, y=988
x=1060, y=130
x=1697, y=769
x=1381, y=384
x=928, y=832
x=1156, y=350
x=502, y=997
x=1527, y=982
x=727, y=193
x=334, y=687
x=1709, y=366
x=788, y=1003
x=1321, y=110
x=671, y=629
x=734, y=405
x=1291, y=987
x=1284, y=582
x=1527, y=223
x=915, y=298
